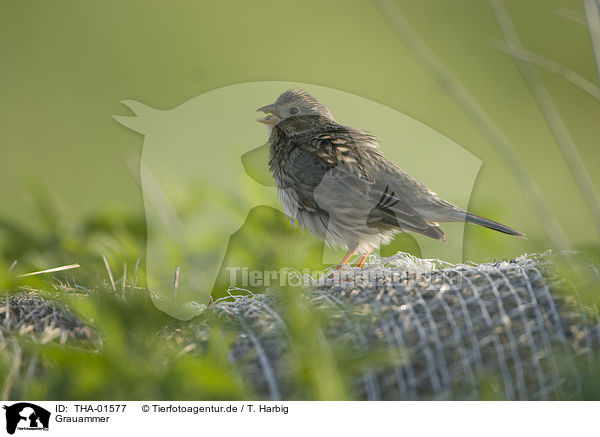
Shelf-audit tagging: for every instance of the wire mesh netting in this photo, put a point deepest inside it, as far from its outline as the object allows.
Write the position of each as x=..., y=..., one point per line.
x=456, y=326
x=29, y=314
x=400, y=329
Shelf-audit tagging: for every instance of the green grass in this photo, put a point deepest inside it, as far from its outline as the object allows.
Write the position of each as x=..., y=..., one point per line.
x=135, y=351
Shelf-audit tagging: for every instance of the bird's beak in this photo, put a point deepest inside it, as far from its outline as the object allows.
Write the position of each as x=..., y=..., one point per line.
x=272, y=116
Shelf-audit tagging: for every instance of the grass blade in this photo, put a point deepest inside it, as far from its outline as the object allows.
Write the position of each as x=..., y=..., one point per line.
x=135, y=271
x=479, y=117
x=592, y=18
x=553, y=118
x=110, y=275
x=549, y=65
x=53, y=270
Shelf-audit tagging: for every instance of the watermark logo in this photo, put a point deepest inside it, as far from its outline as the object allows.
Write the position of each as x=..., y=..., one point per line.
x=26, y=417
x=205, y=178
x=421, y=276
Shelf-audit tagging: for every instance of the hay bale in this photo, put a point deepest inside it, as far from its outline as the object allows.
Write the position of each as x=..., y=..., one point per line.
x=458, y=325
x=30, y=314
x=456, y=328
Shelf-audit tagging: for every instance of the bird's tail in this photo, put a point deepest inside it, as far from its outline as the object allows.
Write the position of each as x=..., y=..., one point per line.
x=475, y=219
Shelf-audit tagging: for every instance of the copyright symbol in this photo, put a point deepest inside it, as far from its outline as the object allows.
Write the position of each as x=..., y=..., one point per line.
x=145, y=408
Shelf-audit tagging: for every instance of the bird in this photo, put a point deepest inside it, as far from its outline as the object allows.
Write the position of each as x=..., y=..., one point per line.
x=335, y=182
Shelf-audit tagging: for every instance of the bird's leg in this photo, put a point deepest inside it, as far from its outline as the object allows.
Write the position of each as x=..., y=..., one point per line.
x=363, y=257
x=346, y=258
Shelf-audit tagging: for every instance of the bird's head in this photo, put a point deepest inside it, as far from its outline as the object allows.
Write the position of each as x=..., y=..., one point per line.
x=292, y=103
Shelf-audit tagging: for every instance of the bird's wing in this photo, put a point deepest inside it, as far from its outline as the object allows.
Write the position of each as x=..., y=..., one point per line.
x=352, y=179
x=340, y=147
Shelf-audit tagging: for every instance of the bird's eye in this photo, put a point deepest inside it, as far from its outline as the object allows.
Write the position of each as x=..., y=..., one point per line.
x=293, y=110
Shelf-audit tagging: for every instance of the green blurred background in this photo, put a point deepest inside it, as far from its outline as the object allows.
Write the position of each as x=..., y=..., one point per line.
x=67, y=64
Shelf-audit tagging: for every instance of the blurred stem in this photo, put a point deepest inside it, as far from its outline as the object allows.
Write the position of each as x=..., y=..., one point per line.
x=553, y=118
x=479, y=117
x=570, y=14
x=549, y=65
x=592, y=17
